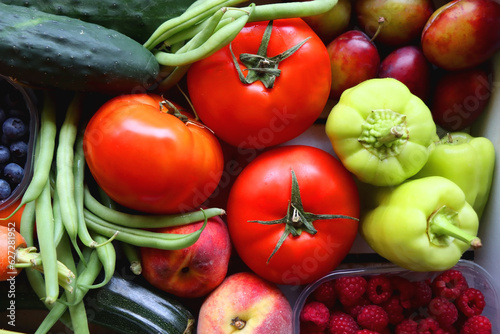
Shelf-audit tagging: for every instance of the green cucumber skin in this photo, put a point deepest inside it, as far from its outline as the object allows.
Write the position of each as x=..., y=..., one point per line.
x=137, y=19
x=56, y=51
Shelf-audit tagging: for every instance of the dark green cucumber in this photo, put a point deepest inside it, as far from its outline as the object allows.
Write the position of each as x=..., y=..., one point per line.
x=124, y=306
x=137, y=19
x=62, y=52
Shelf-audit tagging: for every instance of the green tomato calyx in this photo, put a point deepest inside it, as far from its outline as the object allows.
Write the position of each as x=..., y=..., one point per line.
x=297, y=219
x=259, y=66
x=443, y=228
x=384, y=133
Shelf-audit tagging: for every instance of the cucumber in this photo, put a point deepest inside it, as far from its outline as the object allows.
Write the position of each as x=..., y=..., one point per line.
x=61, y=52
x=124, y=306
x=137, y=19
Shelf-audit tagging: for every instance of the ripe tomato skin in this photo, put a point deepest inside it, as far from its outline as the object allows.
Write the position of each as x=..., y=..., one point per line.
x=253, y=116
x=262, y=192
x=149, y=160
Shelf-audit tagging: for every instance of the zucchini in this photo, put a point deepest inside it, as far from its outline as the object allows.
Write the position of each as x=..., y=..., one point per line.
x=124, y=306
x=61, y=52
x=137, y=19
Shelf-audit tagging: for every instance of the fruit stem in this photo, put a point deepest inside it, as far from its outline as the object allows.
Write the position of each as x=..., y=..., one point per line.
x=381, y=22
x=238, y=323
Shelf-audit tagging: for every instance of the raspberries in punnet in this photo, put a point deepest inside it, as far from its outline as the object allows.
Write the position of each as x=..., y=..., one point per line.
x=387, y=304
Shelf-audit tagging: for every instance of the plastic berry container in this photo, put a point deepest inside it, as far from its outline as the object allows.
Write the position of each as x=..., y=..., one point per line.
x=27, y=106
x=477, y=277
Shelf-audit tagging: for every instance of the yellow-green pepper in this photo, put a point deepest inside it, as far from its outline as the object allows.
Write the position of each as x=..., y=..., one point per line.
x=421, y=225
x=381, y=132
x=466, y=160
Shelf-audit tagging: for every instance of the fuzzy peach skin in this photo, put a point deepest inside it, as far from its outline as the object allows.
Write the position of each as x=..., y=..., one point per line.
x=247, y=304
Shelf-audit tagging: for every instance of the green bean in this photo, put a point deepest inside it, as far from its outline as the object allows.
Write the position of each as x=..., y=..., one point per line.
x=219, y=39
x=107, y=256
x=28, y=224
x=44, y=152
x=59, y=230
x=132, y=254
x=143, y=238
x=146, y=221
x=291, y=9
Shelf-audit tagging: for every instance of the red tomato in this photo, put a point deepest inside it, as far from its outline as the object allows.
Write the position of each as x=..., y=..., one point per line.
x=251, y=115
x=149, y=160
x=263, y=192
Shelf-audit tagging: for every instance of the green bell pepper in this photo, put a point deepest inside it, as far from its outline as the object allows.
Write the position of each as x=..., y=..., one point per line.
x=381, y=132
x=421, y=225
x=466, y=160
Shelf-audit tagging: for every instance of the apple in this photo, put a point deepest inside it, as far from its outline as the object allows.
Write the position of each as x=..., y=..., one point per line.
x=193, y=271
x=331, y=23
x=408, y=65
x=404, y=19
x=245, y=303
x=462, y=34
x=353, y=58
x=460, y=97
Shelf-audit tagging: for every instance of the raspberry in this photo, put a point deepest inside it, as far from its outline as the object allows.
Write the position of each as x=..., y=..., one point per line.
x=379, y=289
x=471, y=302
x=407, y=326
x=443, y=310
x=373, y=317
x=353, y=310
x=342, y=323
x=428, y=325
x=423, y=294
x=404, y=289
x=315, y=316
x=449, y=284
x=350, y=289
x=477, y=324
x=366, y=331
x=394, y=310
x=325, y=293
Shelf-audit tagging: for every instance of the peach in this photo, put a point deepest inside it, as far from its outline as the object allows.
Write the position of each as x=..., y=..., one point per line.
x=193, y=271
x=245, y=303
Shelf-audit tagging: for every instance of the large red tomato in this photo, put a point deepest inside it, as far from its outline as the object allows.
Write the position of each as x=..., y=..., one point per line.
x=251, y=115
x=147, y=159
x=277, y=196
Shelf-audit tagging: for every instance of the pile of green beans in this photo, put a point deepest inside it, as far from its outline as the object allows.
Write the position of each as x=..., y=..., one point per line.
x=209, y=25
x=76, y=233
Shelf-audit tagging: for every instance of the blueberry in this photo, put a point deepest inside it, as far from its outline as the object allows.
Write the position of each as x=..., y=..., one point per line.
x=14, y=128
x=13, y=173
x=4, y=154
x=18, y=149
x=4, y=189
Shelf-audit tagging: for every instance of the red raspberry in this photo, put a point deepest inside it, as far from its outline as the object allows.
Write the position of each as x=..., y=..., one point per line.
x=428, y=325
x=394, y=310
x=315, y=316
x=443, y=310
x=407, y=326
x=379, y=289
x=342, y=323
x=449, y=284
x=477, y=324
x=404, y=289
x=423, y=294
x=471, y=302
x=350, y=289
x=325, y=293
x=373, y=317
x=366, y=331
x=353, y=310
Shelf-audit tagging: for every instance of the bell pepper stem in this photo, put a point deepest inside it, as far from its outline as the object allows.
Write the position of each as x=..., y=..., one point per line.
x=441, y=226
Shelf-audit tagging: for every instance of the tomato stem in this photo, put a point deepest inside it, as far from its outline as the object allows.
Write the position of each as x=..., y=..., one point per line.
x=297, y=219
x=259, y=66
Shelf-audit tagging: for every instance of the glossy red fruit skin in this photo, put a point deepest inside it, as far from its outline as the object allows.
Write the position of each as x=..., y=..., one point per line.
x=462, y=34
x=460, y=97
x=408, y=65
x=354, y=58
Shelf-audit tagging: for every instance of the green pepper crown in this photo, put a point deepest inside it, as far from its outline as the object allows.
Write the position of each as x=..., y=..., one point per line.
x=296, y=219
x=260, y=67
x=384, y=133
x=443, y=228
